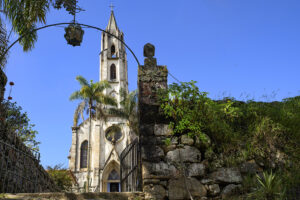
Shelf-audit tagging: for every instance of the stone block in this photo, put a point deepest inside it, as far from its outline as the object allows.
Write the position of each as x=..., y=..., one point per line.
x=162, y=130
x=230, y=190
x=156, y=192
x=187, y=154
x=159, y=170
x=152, y=153
x=227, y=175
x=196, y=170
x=177, y=188
x=186, y=140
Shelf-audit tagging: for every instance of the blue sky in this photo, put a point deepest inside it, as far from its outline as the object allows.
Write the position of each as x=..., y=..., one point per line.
x=239, y=48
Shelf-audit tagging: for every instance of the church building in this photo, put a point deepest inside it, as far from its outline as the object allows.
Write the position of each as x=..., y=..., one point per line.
x=105, y=150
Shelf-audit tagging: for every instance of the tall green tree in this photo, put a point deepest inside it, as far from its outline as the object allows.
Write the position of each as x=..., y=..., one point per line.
x=128, y=109
x=94, y=100
x=19, y=123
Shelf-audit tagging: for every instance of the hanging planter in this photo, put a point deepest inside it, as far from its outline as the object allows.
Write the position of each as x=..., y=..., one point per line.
x=74, y=34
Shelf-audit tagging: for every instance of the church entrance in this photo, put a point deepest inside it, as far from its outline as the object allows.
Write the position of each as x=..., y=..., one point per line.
x=114, y=187
x=111, y=181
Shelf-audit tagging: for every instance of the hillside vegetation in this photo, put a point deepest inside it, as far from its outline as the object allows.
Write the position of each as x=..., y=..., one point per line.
x=232, y=132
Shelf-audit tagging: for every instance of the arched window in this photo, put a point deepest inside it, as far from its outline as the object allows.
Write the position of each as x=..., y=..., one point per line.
x=113, y=176
x=112, y=50
x=83, y=154
x=113, y=74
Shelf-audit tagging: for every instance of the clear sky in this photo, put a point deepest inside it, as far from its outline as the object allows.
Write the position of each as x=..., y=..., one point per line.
x=235, y=48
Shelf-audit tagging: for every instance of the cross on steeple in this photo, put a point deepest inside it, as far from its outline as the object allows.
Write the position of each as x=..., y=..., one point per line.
x=111, y=6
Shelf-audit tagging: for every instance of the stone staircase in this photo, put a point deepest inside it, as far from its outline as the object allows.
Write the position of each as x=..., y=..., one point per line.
x=74, y=196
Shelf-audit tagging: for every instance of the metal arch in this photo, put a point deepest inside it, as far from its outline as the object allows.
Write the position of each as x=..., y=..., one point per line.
x=85, y=25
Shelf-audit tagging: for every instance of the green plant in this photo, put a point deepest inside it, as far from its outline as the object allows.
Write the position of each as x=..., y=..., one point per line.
x=269, y=187
x=61, y=176
x=128, y=109
x=18, y=122
x=194, y=114
x=249, y=183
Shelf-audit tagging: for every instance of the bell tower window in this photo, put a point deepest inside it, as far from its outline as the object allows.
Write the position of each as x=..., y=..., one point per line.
x=113, y=74
x=113, y=51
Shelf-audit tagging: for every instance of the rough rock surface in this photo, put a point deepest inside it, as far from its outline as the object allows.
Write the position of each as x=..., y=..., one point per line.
x=152, y=153
x=227, y=175
x=250, y=167
x=154, y=192
x=162, y=130
x=177, y=189
x=188, y=154
x=196, y=170
x=230, y=190
x=158, y=170
x=186, y=140
x=213, y=190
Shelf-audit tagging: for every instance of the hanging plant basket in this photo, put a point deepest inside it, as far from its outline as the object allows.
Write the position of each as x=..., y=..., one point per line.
x=74, y=34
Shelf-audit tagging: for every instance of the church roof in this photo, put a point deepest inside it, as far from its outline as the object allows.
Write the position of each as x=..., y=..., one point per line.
x=112, y=23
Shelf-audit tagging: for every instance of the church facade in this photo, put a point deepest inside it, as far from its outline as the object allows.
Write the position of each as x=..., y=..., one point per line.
x=105, y=150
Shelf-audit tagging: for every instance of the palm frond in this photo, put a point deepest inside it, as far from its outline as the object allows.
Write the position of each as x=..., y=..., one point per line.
x=3, y=45
x=82, y=81
x=106, y=100
x=24, y=15
x=100, y=114
x=102, y=85
x=79, y=112
x=75, y=95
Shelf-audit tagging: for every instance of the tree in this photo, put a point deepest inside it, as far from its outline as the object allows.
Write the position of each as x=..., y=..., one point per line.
x=93, y=99
x=19, y=123
x=128, y=109
x=61, y=176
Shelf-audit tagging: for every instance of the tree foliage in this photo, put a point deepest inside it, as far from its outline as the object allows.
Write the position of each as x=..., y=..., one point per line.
x=93, y=97
x=18, y=122
x=128, y=109
x=61, y=176
x=239, y=131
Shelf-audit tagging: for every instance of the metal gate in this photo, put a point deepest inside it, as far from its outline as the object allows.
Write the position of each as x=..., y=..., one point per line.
x=130, y=168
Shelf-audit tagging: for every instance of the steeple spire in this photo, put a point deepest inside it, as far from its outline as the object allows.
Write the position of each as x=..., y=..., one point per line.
x=112, y=24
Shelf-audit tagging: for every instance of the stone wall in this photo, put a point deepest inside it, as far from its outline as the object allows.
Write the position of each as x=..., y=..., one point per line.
x=178, y=170
x=20, y=170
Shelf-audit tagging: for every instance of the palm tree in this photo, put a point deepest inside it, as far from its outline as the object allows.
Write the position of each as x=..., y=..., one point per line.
x=128, y=109
x=93, y=99
x=23, y=16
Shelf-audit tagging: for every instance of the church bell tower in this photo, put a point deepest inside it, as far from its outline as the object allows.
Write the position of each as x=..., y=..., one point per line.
x=113, y=59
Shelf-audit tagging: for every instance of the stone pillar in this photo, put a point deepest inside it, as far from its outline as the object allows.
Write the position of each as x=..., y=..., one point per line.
x=155, y=172
x=73, y=162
